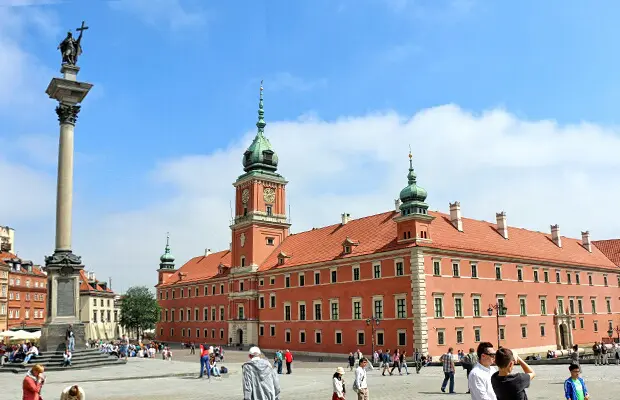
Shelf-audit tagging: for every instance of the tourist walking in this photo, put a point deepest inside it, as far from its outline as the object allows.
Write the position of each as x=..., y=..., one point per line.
x=338, y=382
x=360, y=385
x=33, y=383
x=508, y=386
x=468, y=361
x=448, y=370
x=70, y=337
x=604, y=354
x=417, y=358
x=288, y=357
x=124, y=347
x=596, y=349
x=260, y=381
x=73, y=393
x=479, y=380
x=403, y=361
x=574, y=356
x=386, y=361
x=279, y=358
x=575, y=387
x=351, y=361
x=396, y=363
x=204, y=361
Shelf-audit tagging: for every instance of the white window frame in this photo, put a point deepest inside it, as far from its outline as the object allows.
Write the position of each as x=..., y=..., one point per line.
x=441, y=331
x=473, y=309
x=305, y=337
x=443, y=308
x=356, y=267
x=456, y=263
x=400, y=296
x=357, y=337
x=299, y=304
x=396, y=261
x=336, y=337
x=456, y=335
x=459, y=296
x=375, y=265
x=353, y=301
x=398, y=332
x=314, y=303
x=479, y=329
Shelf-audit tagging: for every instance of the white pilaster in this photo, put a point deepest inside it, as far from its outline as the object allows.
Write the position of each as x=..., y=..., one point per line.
x=418, y=300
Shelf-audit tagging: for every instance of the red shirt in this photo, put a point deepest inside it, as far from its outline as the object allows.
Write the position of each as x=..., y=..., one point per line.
x=204, y=351
x=288, y=356
x=31, y=389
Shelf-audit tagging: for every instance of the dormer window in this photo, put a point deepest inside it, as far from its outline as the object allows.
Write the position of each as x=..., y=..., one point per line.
x=282, y=256
x=268, y=156
x=348, y=244
x=247, y=157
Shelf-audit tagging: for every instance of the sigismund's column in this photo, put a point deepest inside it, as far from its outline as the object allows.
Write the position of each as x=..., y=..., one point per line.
x=63, y=267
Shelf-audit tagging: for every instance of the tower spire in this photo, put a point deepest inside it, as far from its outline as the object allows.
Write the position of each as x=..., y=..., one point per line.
x=167, y=259
x=411, y=177
x=261, y=112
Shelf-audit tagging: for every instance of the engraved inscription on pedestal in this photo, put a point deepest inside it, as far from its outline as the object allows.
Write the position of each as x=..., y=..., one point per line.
x=50, y=296
x=65, y=298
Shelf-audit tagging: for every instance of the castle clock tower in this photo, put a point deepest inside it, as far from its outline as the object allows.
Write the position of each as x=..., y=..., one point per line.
x=260, y=225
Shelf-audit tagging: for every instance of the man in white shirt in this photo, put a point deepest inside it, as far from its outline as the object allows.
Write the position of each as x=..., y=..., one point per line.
x=480, y=377
x=361, y=384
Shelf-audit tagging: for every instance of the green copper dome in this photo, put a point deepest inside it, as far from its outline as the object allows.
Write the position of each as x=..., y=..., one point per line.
x=260, y=154
x=413, y=197
x=167, y=259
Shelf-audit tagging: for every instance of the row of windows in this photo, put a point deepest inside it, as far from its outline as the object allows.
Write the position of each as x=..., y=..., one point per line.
x=15, y=314
x=456, y=272
x=186, y=315
x=438, y=302
x=35, y=296
x=103, y=314
x=334, y=307
x=401, y=336
x=187, y=333
x=101, y=302
x=18, y=282
x=187, y=292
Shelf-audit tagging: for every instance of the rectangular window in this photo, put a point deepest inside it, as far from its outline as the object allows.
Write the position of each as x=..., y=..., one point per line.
x=401, y=308
x=221, y=289
x=572, y=323
x=438, y=307
x=338, y=339
x=580, y=306
x=477, y=335
x=595, y=326
x=608, y=302
x=535, y=275
x=590, y=280
x=317, y=311
x=205, y=333
x=400, y=270
x=270, y=241
x=356, y=273
x=360, y=338
x=214, y=314
x=380, y=338
x=456, y=270
x=558, y=278
x=302, y=280
x=605, y=280
x=261, y=330
x=378, y=310
x=287, y=336
x=520, y=275
x=593, y=303
x=357, y=309
x=302, y=312
x=318, y=337
x=476, y=307
x=272, y=330
x=377, y=271
x=317, y=278
x=269, y=210
x=261, y=282
x=436, y=267
x=502, y=333
x=577, y=280
x=402, y=338
x=261, y=302
x=581, y=323
x=542, y=330
x=546, y=276
x=571, y=305
x=287, y=281
x=522, y=307
x=500, y=303
x=458, y=307
x=459, y=336
x=287, y=312
x=302, y=337
x=334, y=311
x=441, y=337
x=498, y=272
x=561, y=306
x=272, y=280
x=272, y=300
x=334, y=275
x=474, y=270
x=568, y=278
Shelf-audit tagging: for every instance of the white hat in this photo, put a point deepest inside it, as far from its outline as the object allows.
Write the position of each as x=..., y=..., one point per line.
x=254, y=351
x=340, y=370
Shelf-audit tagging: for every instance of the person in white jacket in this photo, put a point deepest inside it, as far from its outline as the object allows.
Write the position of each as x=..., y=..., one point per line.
x=360, y=384
x=73, y=393
x=338, y=381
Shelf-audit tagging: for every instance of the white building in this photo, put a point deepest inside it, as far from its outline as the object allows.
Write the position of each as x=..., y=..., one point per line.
x=99, y=309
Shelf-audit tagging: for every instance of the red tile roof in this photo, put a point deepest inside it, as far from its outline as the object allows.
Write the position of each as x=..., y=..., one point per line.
x=86, y=286
x=611, y=248
x=200, y=268
x=36, y=269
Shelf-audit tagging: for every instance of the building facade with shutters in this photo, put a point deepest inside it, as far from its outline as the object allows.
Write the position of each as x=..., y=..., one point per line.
x=99, y=309
x=408, y=278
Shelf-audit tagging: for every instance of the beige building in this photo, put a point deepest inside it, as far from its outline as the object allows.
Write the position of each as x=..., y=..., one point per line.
x=4, y=296
x=99, y=309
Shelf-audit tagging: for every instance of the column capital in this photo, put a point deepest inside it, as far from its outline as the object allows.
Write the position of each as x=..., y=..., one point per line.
x=67, y=114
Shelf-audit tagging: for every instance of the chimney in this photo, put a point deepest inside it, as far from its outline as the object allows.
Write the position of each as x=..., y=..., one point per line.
x=555, y=235
x=110, y=282
x=345, y=218
x=397, y=204
x=207, y=252
x=455, y=215
x=585, y=241
x=502, y=226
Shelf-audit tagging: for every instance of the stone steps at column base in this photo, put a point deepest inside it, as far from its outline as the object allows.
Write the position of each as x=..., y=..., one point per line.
x=81, y=359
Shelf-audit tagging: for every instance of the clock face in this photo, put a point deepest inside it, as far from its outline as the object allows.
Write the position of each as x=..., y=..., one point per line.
x=245, y=196
x=269, y=195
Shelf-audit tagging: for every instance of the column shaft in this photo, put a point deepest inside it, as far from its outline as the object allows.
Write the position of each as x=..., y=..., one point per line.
x=64, y=196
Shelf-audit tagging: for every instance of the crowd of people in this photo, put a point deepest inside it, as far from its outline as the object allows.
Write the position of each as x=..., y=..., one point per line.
x=20, y=353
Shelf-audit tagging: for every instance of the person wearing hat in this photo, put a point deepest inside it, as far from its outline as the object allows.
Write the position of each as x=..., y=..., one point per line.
x=260, y=380
x=339, y=389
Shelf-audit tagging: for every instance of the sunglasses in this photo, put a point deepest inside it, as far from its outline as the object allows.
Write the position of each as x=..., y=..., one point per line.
x=490, y=354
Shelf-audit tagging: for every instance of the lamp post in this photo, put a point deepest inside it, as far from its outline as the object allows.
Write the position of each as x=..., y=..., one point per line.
x=372, y=321
x=611, y=331
x=500, y=310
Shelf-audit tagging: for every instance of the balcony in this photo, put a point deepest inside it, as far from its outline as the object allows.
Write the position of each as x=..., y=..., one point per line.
x=243, y=295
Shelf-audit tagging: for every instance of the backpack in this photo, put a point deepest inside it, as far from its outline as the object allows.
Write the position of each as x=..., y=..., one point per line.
x=223, y=370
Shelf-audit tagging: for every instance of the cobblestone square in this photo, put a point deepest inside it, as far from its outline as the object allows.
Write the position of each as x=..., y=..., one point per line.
x=159, y=380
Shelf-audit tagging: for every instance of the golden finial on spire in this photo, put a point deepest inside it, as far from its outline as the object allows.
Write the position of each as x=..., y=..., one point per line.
x=410, y=155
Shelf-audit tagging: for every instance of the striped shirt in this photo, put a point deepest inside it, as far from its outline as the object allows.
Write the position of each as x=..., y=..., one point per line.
x=448, y=362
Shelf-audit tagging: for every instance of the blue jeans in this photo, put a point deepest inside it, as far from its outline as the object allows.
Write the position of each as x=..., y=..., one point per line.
x=280, y=367
x=28, y=357
x=448, y=376
x=204, y=363
x=71, y=344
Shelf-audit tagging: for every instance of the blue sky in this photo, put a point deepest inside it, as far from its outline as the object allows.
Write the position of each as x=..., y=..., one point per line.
x=177, y=81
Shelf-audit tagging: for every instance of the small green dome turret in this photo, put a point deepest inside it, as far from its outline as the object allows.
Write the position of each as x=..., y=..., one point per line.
x=167, y=259
x=413, y=197
x=260, y=154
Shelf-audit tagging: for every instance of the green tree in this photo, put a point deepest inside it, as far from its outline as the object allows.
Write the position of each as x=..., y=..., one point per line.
x=139, y=310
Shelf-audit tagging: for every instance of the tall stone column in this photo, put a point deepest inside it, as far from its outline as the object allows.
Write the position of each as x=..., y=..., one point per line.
x=63, y=267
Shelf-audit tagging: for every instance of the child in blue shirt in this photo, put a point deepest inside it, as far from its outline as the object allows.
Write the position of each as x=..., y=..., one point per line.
x=575, y=387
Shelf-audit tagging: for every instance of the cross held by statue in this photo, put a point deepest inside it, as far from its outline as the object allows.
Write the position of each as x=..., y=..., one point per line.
x=82, y=28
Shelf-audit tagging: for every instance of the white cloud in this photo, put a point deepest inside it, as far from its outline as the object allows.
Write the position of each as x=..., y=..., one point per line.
x=540, y=173
x=173, y=13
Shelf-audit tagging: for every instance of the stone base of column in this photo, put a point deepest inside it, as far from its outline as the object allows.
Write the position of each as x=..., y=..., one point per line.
x=53, y=337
